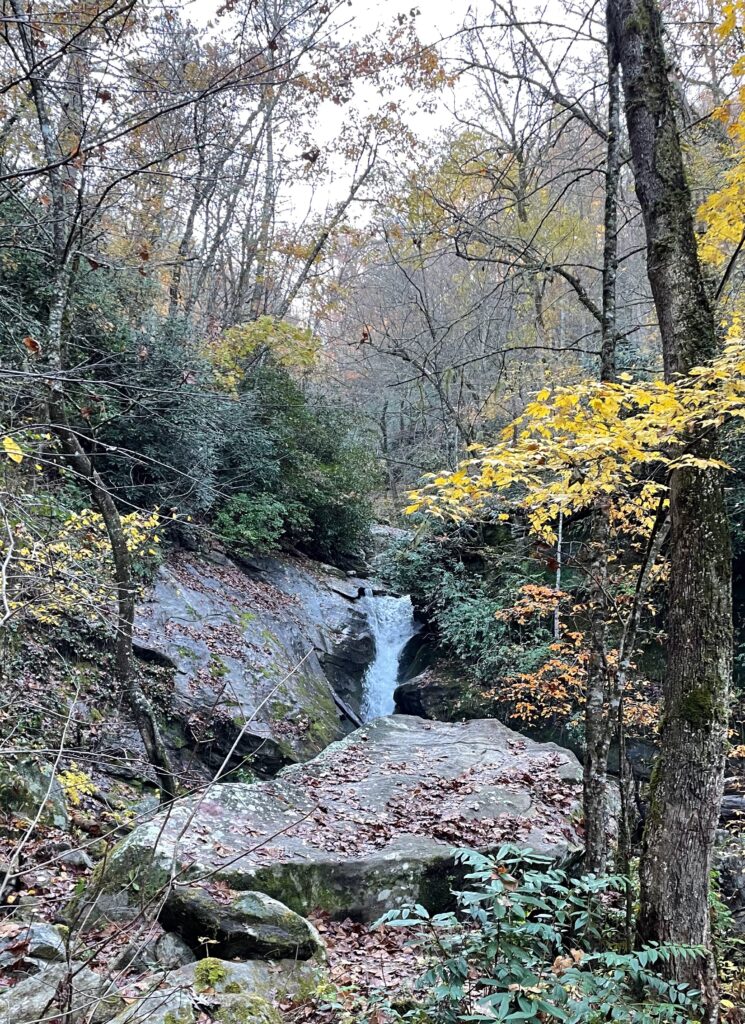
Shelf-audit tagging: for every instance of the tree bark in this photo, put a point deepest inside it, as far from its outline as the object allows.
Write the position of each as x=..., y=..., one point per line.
x=600, y=720
x=688, y=779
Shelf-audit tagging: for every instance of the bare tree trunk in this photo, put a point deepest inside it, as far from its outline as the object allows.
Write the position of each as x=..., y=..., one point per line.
x=325, y=233
x=600, y=722
x=688, y=779
x=260, y=291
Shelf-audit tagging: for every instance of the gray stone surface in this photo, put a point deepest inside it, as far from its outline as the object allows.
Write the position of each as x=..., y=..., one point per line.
x=28, y=787
x=369, y=823
x=26, y=939
x=240, y=924
x=93, y=999
x=166, y=951
x=331, y=618
x=247, y=644
x=164, y=1005
x=237, y=993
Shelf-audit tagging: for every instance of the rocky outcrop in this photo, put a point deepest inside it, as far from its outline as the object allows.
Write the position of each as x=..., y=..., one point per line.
x=254, y=648
x=369, y=823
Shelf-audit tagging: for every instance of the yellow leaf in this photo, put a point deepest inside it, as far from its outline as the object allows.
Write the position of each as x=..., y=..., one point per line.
x=12, y=449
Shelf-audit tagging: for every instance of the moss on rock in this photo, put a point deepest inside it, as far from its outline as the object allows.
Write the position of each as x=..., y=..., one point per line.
x=247, y=1009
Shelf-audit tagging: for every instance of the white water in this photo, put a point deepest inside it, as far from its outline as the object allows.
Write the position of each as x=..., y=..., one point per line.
x=392, y=625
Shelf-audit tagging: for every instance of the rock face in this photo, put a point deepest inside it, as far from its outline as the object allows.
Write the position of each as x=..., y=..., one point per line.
x=331, y=617
x=437, y=693
x=247, y=645
x=367, y=824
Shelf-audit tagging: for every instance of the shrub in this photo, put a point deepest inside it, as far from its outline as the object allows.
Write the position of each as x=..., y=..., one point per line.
x=530, y=943
x=255, y=522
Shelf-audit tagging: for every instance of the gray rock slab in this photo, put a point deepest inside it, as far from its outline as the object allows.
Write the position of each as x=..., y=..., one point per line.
x=370, y=822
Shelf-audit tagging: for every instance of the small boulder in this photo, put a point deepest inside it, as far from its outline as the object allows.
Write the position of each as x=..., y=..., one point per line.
x=270, y=981
x=171, y=952
x=75, y=858
x=167, y=952
x=241, y=924
x=92, y=998
x=23, y=941
x=28, y=788
x=161, y=1006
x=231, y=993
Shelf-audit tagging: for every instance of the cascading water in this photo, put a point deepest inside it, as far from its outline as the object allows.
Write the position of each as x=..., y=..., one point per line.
x=392, y=625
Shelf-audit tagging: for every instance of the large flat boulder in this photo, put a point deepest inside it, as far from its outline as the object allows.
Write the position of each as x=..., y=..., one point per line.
x=245, y=644
x=369, y=823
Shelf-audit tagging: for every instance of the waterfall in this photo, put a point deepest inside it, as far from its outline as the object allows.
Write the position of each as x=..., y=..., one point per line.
x=392, y=625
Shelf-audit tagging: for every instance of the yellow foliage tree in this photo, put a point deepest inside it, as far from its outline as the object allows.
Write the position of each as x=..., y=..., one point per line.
x=572, y=447
x=723, y=212
x=239, y=347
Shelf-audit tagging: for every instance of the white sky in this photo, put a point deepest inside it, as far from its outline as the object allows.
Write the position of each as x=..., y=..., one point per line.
x=436, y=19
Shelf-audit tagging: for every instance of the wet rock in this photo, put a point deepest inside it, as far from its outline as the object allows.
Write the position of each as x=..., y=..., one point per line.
x=90, y=997
x=28, y=787
x=367, y=824
x=240, y=924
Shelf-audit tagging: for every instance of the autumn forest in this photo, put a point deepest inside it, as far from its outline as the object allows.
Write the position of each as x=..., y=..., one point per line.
x=372, y=512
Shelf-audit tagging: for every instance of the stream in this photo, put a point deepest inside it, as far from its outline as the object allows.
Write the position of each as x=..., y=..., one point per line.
x=392, y=625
